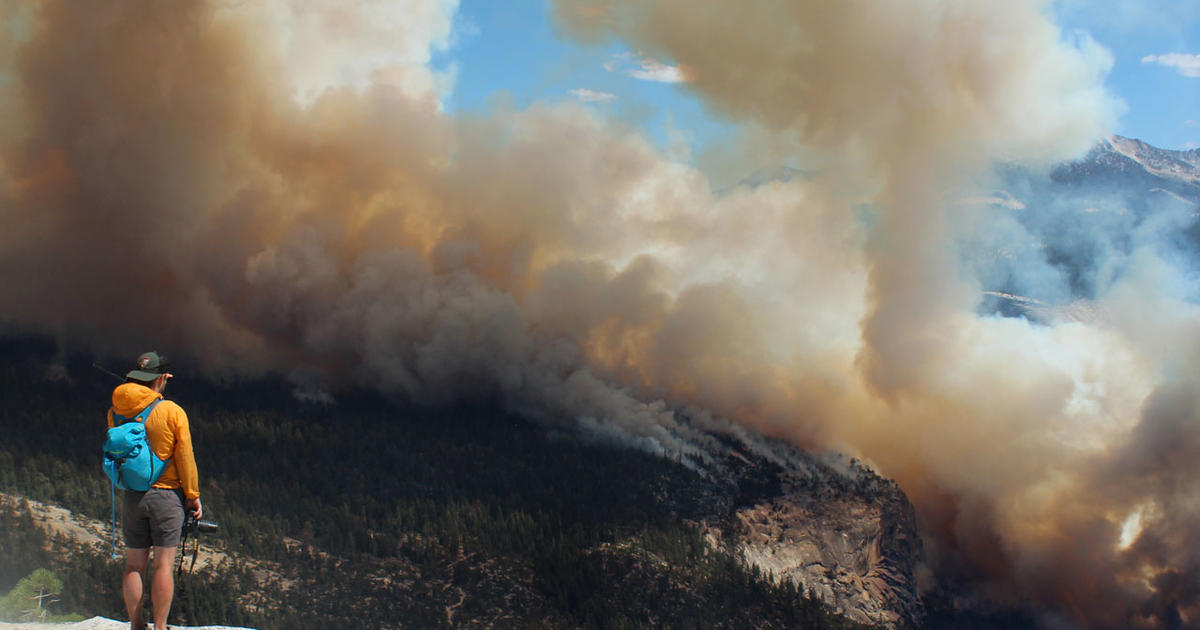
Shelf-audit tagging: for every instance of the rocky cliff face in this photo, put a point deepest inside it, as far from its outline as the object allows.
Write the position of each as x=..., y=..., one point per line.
x=858, y=555
x=831, y=526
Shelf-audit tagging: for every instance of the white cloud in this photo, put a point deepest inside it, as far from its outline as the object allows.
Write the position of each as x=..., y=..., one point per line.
x=651, y=70
x=1187, y=65
x=645, y=68
x=592, y=96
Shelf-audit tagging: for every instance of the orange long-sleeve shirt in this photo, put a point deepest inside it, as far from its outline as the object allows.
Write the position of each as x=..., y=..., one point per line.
x=168, y=433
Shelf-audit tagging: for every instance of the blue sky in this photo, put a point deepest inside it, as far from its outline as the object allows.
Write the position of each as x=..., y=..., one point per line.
x=509, y=54
x=1156, y=63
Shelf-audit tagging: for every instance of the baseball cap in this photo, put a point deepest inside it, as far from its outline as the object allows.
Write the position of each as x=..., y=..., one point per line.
x=150, y=366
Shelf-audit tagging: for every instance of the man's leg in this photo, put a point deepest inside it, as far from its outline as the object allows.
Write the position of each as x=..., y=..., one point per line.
x=162, y=585
x=131, y=584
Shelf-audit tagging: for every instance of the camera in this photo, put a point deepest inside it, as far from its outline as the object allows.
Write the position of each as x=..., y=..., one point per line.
x=193, y=526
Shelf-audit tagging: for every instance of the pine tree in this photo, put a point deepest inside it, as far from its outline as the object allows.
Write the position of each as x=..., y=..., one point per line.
x=30, y=598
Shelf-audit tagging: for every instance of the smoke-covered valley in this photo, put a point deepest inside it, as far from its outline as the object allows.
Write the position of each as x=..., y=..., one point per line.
x=952, y=289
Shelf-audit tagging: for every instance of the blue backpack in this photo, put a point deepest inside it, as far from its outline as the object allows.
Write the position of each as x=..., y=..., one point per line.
x=128, y=460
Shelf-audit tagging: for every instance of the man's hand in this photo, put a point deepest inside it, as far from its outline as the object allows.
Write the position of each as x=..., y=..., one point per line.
x=196, y=508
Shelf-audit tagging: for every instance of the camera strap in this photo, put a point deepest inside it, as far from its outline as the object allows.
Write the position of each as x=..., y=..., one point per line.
x=183, y=552
x=195, y=552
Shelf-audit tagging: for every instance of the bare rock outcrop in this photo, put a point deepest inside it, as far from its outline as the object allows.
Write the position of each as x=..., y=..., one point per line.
x=856, y=555
x=829, y=525
x=97, y=623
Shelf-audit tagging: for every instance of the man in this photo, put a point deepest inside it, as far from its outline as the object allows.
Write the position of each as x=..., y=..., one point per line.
x=155, y=518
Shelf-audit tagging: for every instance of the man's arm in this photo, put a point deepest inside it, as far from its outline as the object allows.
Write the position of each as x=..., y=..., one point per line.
x=185, y=463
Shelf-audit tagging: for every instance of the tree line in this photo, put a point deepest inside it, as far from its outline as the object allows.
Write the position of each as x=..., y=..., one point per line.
x=373, y=513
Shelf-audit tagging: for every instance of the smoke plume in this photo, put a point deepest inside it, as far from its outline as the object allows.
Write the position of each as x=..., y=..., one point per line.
x=273, y=187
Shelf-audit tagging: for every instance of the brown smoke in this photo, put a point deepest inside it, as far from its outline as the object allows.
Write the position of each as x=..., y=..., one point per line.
x=1020, y=444
x=272, y=189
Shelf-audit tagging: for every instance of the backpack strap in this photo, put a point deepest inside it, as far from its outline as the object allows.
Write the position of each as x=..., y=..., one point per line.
x=141, y=417
x=112, y=490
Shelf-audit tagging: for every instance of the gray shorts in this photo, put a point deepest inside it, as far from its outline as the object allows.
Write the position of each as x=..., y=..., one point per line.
x=154, y=517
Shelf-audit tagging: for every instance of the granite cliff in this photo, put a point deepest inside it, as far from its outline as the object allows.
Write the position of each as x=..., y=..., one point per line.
x=826, y=523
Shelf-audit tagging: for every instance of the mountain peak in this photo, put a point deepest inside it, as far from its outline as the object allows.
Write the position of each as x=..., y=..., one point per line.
x=1178, y=165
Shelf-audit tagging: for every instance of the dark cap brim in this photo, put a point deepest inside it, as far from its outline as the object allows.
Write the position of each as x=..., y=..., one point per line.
x=139, y=375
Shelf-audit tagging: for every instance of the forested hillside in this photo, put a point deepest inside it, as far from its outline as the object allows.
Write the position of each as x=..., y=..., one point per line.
x=367, y=513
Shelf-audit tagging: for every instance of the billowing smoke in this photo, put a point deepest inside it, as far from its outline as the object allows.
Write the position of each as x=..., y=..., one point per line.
x=269, y=187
